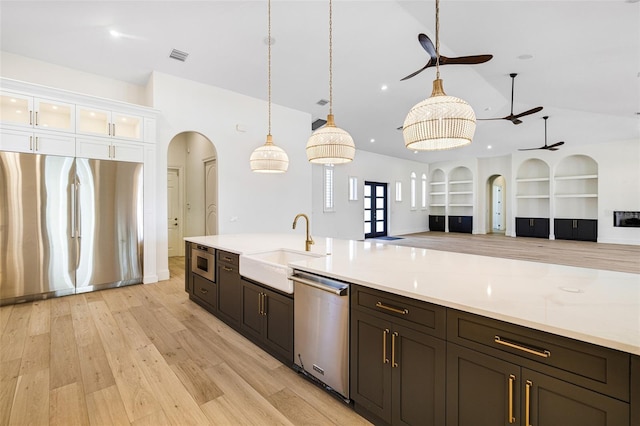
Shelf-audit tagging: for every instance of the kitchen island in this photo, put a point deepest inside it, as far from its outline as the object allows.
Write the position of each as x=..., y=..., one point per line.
x=586, y=305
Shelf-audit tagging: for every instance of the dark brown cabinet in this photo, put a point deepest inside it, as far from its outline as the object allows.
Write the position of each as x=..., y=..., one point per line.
x=436, y=223
x=267, y=319
x=462, y=224
x=576, y=229
x=537, y=227
x=188, y=280
x=397, y=370
x=229, y=288
x=509, y=375
x=205, y=292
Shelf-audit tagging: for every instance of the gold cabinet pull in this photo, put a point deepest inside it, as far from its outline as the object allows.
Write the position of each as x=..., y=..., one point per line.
x=30, y=118
x=226, y=259
x=392, y=309
x=36, y=118
x=393, y=349
x=37, y=142
x=30, y=143
x=260, y=303
x=226, y=268
x=204, y=291
x=114, y=129
x=512, y=380
x=264, y=304
x=527, y=403
x=385, y=360
x=539, y=352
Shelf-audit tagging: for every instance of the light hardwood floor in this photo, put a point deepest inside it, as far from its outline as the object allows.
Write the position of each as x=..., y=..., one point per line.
x=145, y=355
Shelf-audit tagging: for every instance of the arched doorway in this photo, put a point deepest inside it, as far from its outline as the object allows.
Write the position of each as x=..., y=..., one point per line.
x=192, y=189
x=497, y=203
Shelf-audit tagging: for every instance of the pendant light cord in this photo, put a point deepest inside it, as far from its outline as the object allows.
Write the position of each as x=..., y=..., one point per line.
x=269, y=63
x=438, y=39
x=330, y=59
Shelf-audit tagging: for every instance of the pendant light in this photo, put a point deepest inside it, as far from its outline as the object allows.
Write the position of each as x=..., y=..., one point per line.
x=439, y=122
x=269, y=158
x=330, y=144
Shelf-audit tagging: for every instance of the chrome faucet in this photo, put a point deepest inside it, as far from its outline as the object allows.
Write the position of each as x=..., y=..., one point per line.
x=309, y=240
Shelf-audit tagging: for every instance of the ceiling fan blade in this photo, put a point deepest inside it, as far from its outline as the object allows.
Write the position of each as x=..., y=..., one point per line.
x=413, y=74
x=465, y=60
x=496, y=118
x=428, y=46
x=400, y=128
x=531, y=149
x=529, y=112
x=556, y=145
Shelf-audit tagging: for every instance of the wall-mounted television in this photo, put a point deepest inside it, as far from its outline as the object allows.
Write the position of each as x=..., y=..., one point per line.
x=626, y=219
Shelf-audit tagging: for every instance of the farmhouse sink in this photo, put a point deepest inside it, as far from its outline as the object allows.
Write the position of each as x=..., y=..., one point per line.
x=271, y=267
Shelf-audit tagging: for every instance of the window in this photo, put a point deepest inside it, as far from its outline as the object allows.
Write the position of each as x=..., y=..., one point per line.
x=424, y=192
x=398, y=191
x=413, y=191
x=353, y=188
x=328, y=188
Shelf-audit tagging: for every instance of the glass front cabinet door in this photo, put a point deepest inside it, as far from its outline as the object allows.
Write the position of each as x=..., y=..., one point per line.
x=45, y=114
x=97, y=122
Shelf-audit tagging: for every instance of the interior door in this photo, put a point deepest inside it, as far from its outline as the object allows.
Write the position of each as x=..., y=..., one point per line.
x=375, y=209
x=211, y=197
x=174, y=213
x=497, y=208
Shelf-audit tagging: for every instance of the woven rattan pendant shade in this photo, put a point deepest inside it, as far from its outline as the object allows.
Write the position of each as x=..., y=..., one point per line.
x=439, y=122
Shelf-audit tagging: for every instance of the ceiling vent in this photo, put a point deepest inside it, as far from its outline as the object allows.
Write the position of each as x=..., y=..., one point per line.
x=322, y=102
x=318, y=123
x=178, y=55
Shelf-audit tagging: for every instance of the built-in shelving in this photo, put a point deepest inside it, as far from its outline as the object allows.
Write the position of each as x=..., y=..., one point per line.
x=532, y=189
x=576, y=188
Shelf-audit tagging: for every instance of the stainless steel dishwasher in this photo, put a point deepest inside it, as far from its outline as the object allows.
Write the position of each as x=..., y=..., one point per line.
x=321, y=330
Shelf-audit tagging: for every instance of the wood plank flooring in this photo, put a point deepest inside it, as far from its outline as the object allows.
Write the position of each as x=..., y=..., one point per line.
x=613, y=257
x=145, y=355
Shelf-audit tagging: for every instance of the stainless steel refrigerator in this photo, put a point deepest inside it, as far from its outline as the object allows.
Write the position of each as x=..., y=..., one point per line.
x=68, y=225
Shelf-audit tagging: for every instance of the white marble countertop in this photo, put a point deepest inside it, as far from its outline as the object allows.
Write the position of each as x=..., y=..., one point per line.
x=591, y=305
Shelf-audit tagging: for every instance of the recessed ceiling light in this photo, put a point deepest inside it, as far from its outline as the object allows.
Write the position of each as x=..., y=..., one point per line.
x=115, y=33
x=372, y=140
x=384, y=87
x=488, y=108
x=489, y=147
x=415, y=152
x=525, y=56
x=13, y=100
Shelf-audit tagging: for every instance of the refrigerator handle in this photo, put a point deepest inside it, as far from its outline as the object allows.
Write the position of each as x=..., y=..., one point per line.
x=73, y=210
x=78, y=213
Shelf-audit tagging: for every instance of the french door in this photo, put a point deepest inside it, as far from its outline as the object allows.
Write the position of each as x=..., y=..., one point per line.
x=375, y=209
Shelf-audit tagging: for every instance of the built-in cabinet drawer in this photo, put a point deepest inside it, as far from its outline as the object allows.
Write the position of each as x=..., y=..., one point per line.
x=421, y=316
x=228, y=258
x=601, y=369
x=204, y=291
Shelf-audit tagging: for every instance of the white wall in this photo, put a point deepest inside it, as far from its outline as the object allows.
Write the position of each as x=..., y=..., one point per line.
x=236, y=125
x=26, y=69
x=347, y=219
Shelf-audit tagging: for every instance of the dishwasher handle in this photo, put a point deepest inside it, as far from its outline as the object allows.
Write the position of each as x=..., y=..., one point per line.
x=339, y=291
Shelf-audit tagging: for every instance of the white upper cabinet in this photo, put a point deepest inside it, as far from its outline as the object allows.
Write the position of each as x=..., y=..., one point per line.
x=18, y=110
x=37, y=142
x=99, y=122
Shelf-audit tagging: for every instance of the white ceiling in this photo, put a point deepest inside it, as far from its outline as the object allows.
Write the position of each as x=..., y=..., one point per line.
x=585, y=69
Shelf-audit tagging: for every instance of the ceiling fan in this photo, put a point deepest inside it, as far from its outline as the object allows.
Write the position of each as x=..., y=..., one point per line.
x=433, y=57
x=552, y=147
x=515, y=119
